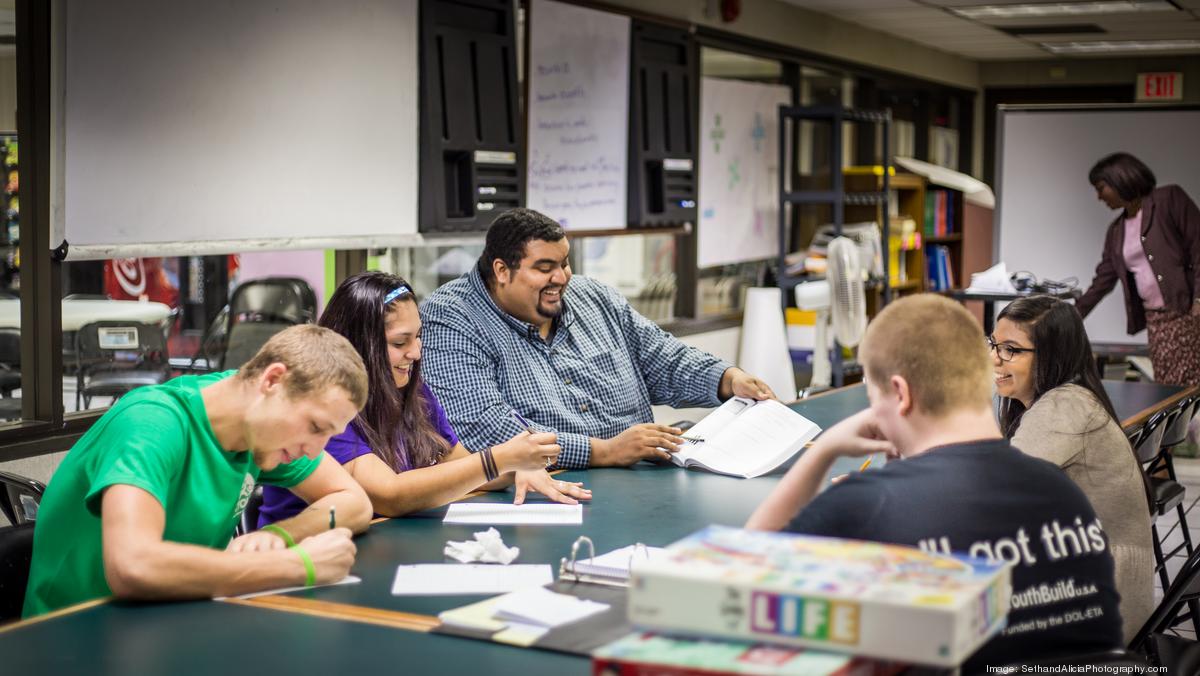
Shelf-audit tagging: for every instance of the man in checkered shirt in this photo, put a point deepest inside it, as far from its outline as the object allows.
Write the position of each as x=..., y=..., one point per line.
x=509, y=337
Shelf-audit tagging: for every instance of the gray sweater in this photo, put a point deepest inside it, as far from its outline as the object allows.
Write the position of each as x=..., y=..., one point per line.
x=1068, y=427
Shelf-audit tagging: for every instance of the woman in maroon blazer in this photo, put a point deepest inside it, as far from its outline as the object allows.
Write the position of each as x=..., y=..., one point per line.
x=1153, y=248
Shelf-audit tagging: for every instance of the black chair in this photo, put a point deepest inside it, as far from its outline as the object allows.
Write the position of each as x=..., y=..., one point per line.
x=249, y=521
x=1165, y=493
x=16, y=553
x=115, y=357
x=10, y=373
x=258, y=309
x=1178, y=655
x=20, y=498
x=1176, y=433
x=20, y=501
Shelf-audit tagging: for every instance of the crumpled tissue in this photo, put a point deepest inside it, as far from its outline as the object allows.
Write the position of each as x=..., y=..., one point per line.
x=487, y=548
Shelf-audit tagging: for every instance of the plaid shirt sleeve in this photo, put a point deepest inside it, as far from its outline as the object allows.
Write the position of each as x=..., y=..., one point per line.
x=675, y=374
x=460, y=369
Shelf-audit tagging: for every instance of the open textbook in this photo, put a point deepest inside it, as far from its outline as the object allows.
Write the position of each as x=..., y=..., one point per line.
x=746, y=438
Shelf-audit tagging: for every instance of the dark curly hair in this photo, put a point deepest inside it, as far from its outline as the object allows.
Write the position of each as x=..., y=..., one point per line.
x=508, y=235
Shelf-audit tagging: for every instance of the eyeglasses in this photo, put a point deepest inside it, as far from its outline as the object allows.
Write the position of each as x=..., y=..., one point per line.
x=1005, y=351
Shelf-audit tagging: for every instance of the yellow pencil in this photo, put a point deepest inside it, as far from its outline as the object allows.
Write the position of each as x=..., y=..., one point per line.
x=867, y=463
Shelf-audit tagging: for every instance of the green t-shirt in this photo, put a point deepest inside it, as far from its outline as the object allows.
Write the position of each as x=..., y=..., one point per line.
x=159, y=439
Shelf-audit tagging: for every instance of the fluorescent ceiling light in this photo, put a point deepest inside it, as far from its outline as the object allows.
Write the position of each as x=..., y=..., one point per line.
x=1119, y=46
x=1042, y=10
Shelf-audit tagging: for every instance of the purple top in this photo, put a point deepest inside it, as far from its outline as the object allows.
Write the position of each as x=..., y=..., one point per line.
x=280, y=503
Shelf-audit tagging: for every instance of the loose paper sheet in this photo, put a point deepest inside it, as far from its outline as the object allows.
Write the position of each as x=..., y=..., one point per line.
x=442, y=579
x=504, y=514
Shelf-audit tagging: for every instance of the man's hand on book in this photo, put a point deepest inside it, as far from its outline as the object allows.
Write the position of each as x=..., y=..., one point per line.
x=737, y=383
x=647, y=441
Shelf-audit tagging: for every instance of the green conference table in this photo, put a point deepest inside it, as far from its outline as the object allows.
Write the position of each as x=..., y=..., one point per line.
x=365, y=626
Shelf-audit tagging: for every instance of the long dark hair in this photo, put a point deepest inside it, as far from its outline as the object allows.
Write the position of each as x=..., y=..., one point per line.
x=395, y=422
x=1062, y=354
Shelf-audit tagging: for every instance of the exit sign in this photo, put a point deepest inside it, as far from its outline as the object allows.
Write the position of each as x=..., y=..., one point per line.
x=1160, y=87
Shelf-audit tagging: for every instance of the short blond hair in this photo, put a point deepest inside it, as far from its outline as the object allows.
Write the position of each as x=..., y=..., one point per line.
x=937, y=347
x=316, y=359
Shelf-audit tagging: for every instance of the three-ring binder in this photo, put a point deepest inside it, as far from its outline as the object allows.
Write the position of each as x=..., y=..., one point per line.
x=577, y=570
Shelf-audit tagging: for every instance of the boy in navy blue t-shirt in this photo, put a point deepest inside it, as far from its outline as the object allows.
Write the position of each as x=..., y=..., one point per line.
x=959, y=487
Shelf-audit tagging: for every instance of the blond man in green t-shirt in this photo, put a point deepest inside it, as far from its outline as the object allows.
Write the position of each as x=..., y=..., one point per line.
x=145, y=504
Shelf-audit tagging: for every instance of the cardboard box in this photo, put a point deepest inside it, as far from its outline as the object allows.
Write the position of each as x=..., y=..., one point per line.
x=864, y=598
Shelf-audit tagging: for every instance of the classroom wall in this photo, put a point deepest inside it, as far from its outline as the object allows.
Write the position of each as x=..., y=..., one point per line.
x=1078, y=72
x=786, y=24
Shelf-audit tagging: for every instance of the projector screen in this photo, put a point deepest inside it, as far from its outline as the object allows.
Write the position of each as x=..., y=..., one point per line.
x=213, y=127
x=1050, y=222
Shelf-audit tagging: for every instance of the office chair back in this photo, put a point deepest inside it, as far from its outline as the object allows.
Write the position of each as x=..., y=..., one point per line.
x=114, y=357
x=283, y=300
x=16, y=553
x=10, y=373
x=19, y=497
x=259, y=309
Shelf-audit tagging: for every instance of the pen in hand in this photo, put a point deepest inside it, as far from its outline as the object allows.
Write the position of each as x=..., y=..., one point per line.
x=332, y=517
x=523, y=422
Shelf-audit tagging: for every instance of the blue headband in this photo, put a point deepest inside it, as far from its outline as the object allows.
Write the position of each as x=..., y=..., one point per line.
x=395, y=293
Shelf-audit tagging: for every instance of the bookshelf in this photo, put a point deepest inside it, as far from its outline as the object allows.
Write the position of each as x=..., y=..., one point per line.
x=943, y=234
x=905, y=236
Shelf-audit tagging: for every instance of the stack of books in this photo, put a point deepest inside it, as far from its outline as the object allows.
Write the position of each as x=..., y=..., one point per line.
x=939, y=213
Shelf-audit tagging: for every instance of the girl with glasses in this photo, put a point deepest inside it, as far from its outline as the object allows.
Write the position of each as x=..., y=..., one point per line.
x=1054, y=407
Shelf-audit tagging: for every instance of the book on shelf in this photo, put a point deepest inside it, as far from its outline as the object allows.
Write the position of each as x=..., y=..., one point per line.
x=745, y=438
x=939, y=213
x=939, y=268
x=878, y=600
x=647, y=654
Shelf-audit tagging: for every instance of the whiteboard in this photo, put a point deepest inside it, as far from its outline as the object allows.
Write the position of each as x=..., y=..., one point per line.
x=1050, y=221
x=739, y=171
x=578, y=108
x=293, y=121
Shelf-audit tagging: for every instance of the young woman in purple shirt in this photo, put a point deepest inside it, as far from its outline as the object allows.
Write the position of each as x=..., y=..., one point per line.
x=400, y=447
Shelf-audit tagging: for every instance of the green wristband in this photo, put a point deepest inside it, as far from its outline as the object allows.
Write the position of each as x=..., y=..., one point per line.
x=310, y=571
x=287, y=538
